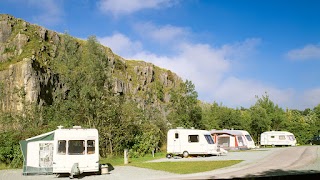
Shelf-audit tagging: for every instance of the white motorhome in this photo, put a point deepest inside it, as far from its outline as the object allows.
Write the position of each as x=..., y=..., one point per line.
x=185, y=142
x=277, y=138
x=231, y=139
x=73, y=151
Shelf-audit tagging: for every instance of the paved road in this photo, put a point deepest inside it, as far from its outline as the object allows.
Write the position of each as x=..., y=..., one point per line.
x=286, y=161
x=268, y=161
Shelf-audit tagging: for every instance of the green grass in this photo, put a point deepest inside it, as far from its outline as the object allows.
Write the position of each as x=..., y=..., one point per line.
x=173, y=167
x=187, y=167
x=119, y=160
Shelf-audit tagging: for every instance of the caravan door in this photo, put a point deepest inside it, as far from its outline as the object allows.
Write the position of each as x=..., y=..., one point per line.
x=177, y=143
x=46, y=156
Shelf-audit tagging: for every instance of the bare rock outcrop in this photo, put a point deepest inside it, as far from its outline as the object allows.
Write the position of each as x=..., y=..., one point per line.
x=27, y=52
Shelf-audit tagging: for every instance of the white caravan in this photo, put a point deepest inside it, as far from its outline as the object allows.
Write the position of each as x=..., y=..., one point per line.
x=277, y=138
x=231, y=139
x=185, y=142
x=72, y=151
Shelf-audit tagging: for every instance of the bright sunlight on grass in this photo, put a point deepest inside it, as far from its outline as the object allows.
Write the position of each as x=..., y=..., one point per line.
x=187, y=167
x=173, y=167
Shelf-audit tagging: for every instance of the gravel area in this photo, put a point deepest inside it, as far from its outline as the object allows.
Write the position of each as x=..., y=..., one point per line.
x=251, y=161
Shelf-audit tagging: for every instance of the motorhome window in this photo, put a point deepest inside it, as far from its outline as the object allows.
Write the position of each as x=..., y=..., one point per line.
x=248, y=137
x=62, y=147
x=193, y=138
x=272, y=136
x=76, y=147
x=209, y=139
x=282, y=137
x=176, y=135
x=90, y=147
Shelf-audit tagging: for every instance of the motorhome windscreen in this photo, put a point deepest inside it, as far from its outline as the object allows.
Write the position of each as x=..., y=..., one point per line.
x=248, y=137
x=76, y=147
x=209, y=139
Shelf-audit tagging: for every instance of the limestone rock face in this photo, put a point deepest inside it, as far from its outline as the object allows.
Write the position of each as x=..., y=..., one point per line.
x=25, y=83
x=27, y=52
x=5, y=27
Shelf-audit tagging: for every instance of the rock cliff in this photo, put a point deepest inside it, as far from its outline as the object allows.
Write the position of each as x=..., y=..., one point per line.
x=26, y=76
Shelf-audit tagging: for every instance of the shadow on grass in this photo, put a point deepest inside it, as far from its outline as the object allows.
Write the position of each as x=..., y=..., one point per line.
x=280, y=175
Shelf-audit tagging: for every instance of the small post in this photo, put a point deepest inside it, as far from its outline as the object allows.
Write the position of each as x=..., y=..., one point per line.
x=152, y=152
x=125, y=156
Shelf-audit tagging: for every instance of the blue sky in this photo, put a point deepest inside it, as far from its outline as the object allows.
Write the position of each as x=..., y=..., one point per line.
x=232, y=50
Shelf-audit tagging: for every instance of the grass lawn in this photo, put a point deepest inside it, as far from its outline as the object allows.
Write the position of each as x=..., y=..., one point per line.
x=119, y=160
x=187, y=167
x=173, y=167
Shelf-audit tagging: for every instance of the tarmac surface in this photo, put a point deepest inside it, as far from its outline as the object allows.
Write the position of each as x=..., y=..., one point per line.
x=262, y=163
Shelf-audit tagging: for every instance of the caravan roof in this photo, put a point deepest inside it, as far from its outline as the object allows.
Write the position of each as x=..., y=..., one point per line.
x=227, y=131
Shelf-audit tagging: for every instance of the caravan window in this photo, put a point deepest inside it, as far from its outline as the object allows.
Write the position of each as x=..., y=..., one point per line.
x=76, y=147
x=90, y=147
x=176, y=135
x=240, y=141
x=248, y=137
x=62, y=147
x=193, y=138
x=282, y=137
x=209, y=139
x=291, y=137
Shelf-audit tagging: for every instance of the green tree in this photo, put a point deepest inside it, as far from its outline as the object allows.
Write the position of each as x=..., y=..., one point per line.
x=260, y=122
x=186, y=112
x=274, y=113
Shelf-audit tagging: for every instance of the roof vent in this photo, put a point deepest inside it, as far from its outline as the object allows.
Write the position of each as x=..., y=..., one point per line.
x=60, y=127
x=76, y=127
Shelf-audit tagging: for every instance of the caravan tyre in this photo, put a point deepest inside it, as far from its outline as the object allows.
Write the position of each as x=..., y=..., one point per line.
x=185, y=154
x=168, y=156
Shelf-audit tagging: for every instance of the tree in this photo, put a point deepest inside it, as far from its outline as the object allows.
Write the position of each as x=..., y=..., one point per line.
x=186, y=112
x=260, y=122
x=274, y=113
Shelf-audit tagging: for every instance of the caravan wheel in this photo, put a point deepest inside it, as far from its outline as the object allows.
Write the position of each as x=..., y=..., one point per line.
x=168, y=156
x=185, y=154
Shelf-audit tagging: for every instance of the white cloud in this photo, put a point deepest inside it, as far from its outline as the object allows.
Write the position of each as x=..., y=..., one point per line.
x=236, y=92
x=204, y=65
x=199, y=63
x=51, y=12
x=306, y=53
x=311, y=98
x=122, y=7
x=121, y=45
x=162, y=34
x=210, y=69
